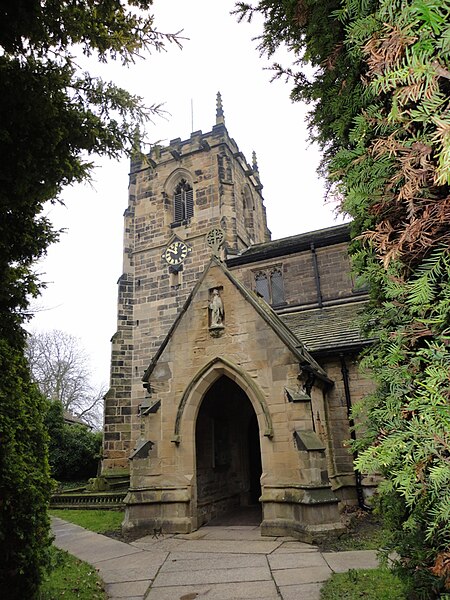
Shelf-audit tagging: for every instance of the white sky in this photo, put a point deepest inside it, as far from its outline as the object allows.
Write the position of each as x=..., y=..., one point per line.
x=220, y=55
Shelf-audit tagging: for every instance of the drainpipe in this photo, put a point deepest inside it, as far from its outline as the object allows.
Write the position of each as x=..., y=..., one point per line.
x=348, y=401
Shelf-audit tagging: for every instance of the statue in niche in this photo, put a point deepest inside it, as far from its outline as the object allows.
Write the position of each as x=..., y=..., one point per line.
x=216, y=308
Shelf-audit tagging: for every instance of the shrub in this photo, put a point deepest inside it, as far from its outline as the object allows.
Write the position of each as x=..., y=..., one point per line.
x=74, y=450
x=25, y=482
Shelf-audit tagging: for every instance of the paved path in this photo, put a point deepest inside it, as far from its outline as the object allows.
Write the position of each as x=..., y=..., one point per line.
x=213, y=563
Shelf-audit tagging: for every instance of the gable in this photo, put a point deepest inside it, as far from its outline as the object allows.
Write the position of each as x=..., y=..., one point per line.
x=251, y=334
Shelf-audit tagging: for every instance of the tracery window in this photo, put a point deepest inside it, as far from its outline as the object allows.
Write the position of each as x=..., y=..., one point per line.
x=277, y=287
x=269, y=284
x=183, y=202
x=262, y=285
x=247, y=198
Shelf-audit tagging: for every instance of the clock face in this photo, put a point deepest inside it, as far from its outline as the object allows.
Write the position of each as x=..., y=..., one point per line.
x=175, y=253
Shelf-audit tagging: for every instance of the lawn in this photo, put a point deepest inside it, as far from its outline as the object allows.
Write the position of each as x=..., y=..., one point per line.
x=100, y=521
x=71, y=579
x=366, y=584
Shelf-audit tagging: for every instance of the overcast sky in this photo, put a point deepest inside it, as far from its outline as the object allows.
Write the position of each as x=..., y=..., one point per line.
x=81, y=271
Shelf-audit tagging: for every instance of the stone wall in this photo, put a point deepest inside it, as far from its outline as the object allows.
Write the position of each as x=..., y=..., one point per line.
x=299, y=277
x=341, y=471
x=301, y=290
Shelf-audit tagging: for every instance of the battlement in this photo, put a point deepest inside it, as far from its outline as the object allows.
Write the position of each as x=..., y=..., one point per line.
x=217, y=140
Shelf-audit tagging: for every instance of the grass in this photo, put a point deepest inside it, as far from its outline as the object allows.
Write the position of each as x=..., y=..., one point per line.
x=366, y=584
x=100, y=521
x=71, y=579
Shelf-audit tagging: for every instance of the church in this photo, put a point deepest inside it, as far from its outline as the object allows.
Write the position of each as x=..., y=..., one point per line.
x=234, y=363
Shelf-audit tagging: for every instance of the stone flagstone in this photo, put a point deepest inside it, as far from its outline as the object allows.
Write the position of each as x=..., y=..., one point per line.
x=301, y=575
x=296, y=560
x=340, y=562
x=193, y=561
x=218, y=566
x=307, y=591
x=255, y=590
x=217, y=575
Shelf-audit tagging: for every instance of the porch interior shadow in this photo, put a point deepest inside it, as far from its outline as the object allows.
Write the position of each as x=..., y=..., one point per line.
x=228, y=457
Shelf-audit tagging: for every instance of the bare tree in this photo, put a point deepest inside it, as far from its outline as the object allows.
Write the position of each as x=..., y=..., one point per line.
x=60, y=366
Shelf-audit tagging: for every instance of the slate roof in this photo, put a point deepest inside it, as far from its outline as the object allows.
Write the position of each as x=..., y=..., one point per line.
x=329, y=328
x=290, y=245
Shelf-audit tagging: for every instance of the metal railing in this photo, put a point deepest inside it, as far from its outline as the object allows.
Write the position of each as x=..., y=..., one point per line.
x=88, y=500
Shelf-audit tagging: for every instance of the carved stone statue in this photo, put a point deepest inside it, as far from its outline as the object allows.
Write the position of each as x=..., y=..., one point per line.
x=216, y=308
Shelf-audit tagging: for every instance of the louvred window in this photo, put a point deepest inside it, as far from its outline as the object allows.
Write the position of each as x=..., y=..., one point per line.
x=183, y=202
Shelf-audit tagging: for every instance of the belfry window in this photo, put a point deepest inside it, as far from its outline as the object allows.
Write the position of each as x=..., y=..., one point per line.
x=183, y=202
x=269, y=285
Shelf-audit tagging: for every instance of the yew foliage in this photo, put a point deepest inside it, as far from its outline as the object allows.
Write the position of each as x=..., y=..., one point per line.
x=379, y=97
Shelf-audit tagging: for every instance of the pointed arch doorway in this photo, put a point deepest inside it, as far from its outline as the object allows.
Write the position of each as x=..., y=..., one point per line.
x=228, y=457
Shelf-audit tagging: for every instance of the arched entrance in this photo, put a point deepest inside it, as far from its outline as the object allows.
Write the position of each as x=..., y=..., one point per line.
x=228, y=454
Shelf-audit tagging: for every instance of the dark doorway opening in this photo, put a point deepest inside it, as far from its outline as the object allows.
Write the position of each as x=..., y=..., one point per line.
x=228, y=457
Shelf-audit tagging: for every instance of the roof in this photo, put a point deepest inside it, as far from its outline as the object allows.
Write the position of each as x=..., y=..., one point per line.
x=71, y=419
x=263, y=309
x=329, y=328
x=279, y=326
x=290, y=245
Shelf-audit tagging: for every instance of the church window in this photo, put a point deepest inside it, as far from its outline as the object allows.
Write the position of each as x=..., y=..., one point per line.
x=269, y=285
x=247, y=199
x=276, y=283
x=183, y=202
x=262, y=285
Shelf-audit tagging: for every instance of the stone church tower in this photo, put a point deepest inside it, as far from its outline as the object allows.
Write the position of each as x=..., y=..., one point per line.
x=177, y=195
x=233, y=366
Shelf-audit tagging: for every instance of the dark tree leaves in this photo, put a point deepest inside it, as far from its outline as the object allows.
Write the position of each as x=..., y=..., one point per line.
x=380, y=100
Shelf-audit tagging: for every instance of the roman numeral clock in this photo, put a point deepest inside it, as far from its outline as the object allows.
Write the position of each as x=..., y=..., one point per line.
x=175, y=254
